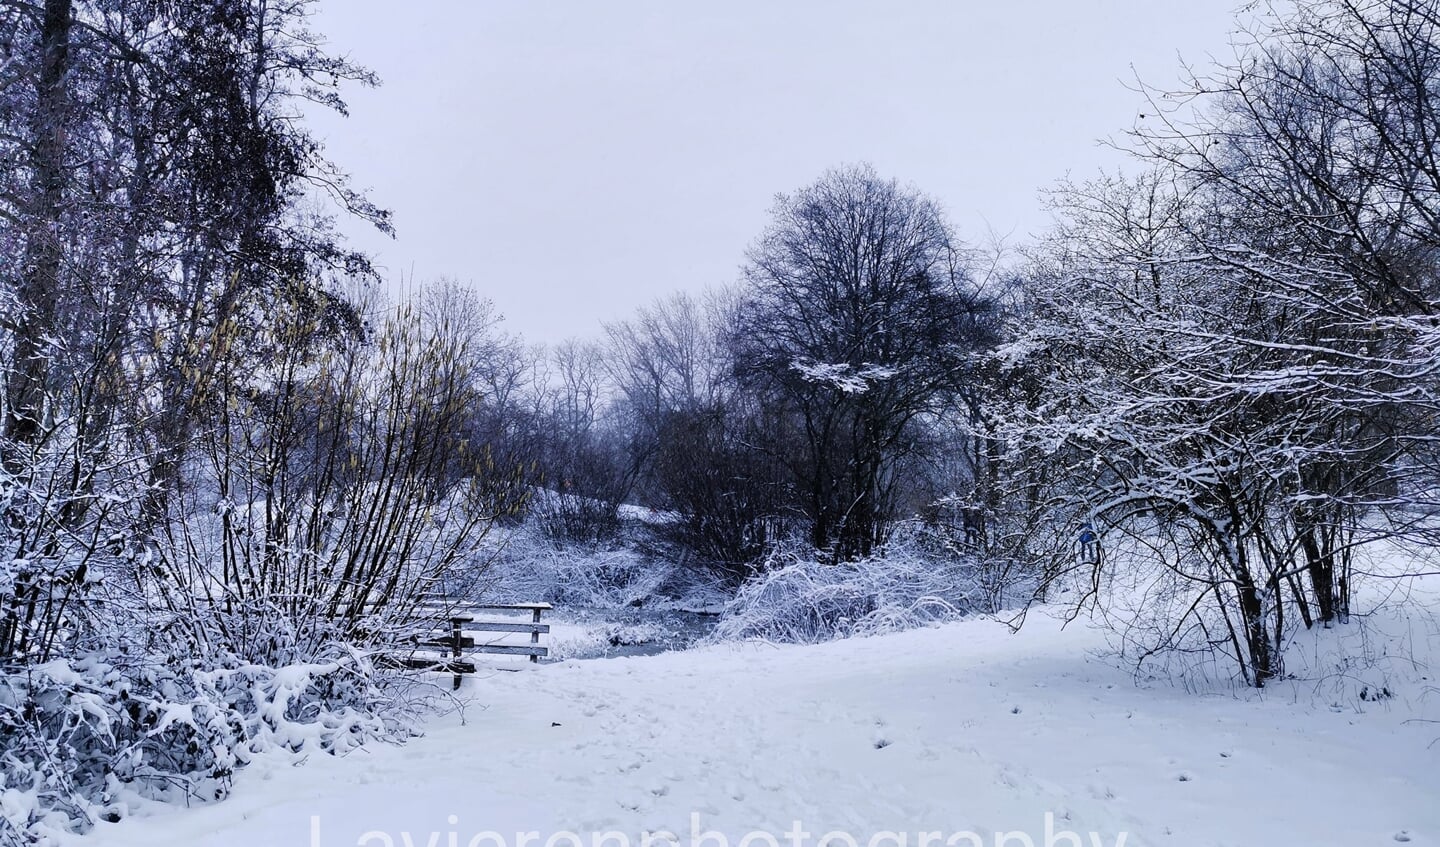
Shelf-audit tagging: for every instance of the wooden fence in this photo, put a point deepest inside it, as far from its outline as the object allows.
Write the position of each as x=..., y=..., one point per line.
x=456, y=645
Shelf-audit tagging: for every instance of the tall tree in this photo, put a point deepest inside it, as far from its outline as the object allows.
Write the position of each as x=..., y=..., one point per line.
x=859, y=314
x=157, y=215
x=40, y=217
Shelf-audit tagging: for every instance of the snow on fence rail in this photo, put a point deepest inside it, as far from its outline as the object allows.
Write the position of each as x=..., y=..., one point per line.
x=456, y=643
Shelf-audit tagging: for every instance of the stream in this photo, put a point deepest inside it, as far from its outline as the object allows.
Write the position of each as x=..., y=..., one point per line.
x=625, y=631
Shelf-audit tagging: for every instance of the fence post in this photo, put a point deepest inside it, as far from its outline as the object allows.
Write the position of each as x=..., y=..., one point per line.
x=455, y=650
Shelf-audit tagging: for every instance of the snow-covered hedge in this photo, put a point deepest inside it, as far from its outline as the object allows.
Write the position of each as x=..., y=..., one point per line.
x=795, y=598
x=84, y=740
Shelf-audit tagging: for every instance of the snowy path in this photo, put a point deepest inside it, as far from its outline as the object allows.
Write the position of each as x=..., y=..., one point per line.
x=961, y=728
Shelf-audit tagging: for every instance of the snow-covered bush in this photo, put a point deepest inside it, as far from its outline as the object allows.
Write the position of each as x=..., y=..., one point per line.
x=796, y=598
x=532, y=566
x=83, y=740
x=154, y=639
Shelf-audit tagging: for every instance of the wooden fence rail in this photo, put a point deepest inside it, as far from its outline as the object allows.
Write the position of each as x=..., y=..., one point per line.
x=454, y=641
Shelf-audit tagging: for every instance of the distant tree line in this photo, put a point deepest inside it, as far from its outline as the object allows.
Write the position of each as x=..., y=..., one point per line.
x=805, y=404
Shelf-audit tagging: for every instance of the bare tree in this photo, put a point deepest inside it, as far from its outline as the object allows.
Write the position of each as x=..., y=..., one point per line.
x=859, y=315
x=1239, y=347
x=151, y=211
x=587, y=467
x=670, y=355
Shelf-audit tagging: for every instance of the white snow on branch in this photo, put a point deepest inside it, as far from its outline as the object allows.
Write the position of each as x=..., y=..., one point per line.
x=842, y=375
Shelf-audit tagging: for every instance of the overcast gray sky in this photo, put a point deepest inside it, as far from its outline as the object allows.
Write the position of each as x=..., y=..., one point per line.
x=575, y=159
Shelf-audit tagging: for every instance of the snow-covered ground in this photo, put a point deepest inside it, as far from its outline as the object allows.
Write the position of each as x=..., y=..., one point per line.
x=963, y=728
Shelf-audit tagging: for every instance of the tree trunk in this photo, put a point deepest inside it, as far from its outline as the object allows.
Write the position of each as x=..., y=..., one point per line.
x=1257, y=638
x=40, y=284
x=39, y=289
x=1320, y=564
